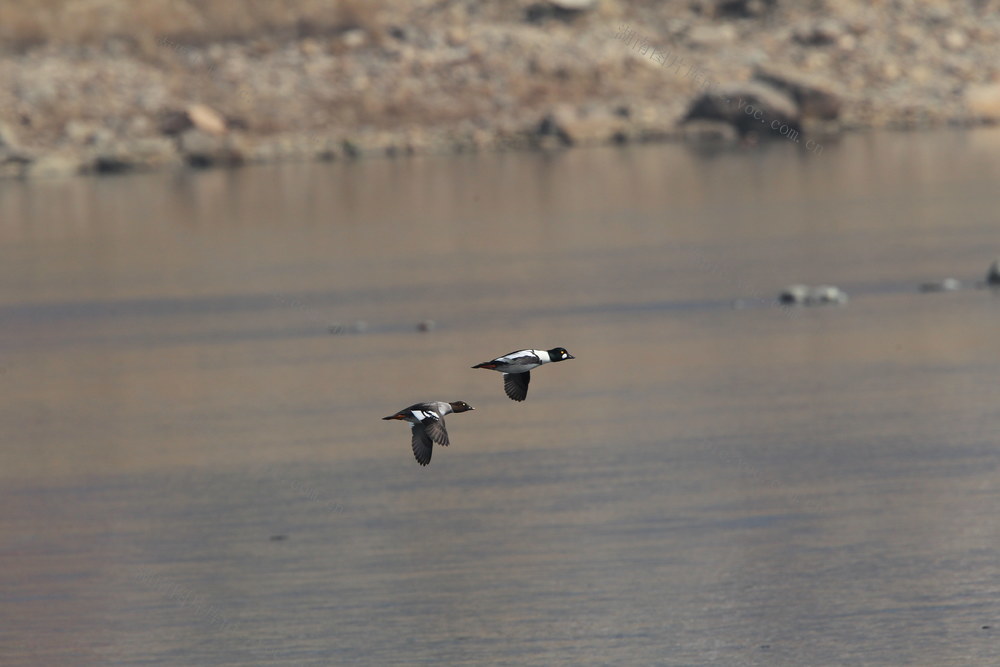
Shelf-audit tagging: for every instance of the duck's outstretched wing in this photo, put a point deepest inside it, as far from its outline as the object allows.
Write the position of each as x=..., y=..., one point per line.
x=515, y=385
x=422, y=444
x=436, y=430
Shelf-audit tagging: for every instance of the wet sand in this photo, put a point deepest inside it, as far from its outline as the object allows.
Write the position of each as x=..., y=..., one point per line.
x=195, y=471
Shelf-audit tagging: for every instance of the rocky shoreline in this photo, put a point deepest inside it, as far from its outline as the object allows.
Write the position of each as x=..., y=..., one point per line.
x=449, y=76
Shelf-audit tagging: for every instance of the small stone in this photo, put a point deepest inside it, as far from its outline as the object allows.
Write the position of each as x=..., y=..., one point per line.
x=955, y=40
x=426, y=325
x=711, y=36
x=847, y=43
x=85, y=133
x=354, y=39
x=820, y=33
x=457, y=36
x=891, y=71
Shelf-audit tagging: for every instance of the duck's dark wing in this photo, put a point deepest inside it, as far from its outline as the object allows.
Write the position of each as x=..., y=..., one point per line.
x=436, y=430
x=515, y=385
x=422, y=444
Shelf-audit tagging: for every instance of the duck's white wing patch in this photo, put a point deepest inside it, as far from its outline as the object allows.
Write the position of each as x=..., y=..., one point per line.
x=526, y=359
x=424, y=415
x=518, y=355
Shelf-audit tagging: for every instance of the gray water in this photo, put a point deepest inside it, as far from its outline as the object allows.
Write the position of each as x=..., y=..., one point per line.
x=193, y=469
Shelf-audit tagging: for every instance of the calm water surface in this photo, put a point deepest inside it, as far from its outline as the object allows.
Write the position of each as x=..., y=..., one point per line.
x=193, y=469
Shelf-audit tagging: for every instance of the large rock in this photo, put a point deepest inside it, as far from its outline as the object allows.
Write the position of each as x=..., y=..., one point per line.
x=13, y=156
x=206, y=119
x=571, y=127
x=55, y=165
x=819, y=33
x=753, y=108
x=815, y=98
x=8, y=138
x=129, y=154
x=174, y=122
x=983, y=101
x=565, y=10
x=200, y=149
x=735, y=8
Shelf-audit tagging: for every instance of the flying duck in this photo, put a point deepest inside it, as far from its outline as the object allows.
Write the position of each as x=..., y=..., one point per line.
x=427, y=423
x=516, y=366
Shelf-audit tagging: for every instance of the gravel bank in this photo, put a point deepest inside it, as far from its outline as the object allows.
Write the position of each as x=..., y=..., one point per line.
x=443, y=76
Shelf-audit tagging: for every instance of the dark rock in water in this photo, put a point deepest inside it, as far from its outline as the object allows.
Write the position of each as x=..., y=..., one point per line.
x=426, y=325
x=946, y=285
x=279, y=538
x=815, y=98
x=993, y=275
x=359, y=327
x=753, y=108
x=826, y=294
x=803, y=295
x=794, y=295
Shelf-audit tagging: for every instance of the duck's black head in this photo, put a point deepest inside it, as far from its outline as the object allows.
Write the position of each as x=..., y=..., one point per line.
x=560, y=354
x=460, y=406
